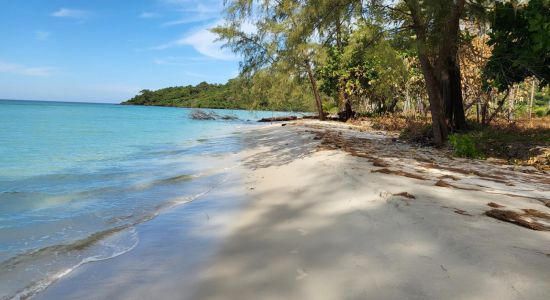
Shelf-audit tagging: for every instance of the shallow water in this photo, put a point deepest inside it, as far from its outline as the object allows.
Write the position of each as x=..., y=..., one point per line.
x=76, y=178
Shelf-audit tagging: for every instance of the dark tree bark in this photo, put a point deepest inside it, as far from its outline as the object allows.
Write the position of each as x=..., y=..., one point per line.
x=439, y=126
x=449, y=77
x=454, y=106
x=346, y=111
x=486, y=121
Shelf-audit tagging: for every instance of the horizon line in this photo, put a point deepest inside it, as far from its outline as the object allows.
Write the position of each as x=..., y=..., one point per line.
x=59, y=101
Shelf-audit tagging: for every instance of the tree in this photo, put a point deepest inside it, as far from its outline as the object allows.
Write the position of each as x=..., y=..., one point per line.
x=266, y=89
x=273, y=43
x=332, y=21
x=520, y=37
x=372, y=69
x=436, y=25
x=474, y=53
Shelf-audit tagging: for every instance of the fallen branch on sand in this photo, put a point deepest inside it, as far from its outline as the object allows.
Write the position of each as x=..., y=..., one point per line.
x=462, y=212
x=278, y=119
x=406, y=195
x=399, y=173
x=528, y=219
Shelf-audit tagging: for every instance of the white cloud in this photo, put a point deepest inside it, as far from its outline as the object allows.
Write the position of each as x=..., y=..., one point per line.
x=71, y=13
x=6, y=67
x=204, y=42
x=149, y=15
x=189, y=20
x=194, y=11
x=41, y=35
x=181, y=61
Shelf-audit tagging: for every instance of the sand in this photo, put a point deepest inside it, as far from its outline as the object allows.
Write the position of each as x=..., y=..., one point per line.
x=320, y=224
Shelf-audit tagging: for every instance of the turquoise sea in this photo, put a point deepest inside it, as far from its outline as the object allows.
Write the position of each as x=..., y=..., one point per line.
x=76, y=177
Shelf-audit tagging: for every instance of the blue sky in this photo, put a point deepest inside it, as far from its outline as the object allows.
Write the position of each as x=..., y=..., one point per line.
x=108, y=50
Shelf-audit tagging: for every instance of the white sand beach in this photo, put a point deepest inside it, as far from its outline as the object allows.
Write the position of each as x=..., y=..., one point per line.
x=319, y=221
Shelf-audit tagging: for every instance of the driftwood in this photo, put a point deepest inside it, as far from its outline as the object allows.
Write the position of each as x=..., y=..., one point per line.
x=293, y=118
x=526, y=219
x=229, y=117
x=199, y=114
x=494, y=205
x=398, y=173
x=203, y=115
x=406, y=195
x=278, y=119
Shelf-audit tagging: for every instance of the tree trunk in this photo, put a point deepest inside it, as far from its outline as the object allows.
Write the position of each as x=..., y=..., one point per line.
x=449, y=69
x=531, y=99
x=408, y=109
x=318, y=101
x=500, y=105
x=452, y=94
x=420, y=106
x=392, y=106
x=485, y=108
x=440, y=67
x=511, y=105
x=439, y=126
x=478, y=110
x=346, y=111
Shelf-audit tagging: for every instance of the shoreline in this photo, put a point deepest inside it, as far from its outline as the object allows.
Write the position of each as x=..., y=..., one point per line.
x=172, y=247
x=315, y=218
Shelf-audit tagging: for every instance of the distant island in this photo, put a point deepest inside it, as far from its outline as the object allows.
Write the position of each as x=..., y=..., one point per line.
x=231, y=95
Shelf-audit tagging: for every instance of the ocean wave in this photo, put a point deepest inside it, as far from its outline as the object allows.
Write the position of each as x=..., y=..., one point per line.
x=16, y=202
x=97, y=247
x=59, y=260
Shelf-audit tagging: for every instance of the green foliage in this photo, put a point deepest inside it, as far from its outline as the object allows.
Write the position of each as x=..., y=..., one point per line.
x=263, y=91
x=277, y=43
x=520, y=36
x=505, y=141
x=368, y=69
x=330, y=72
x=541, y=112
x=464, y=145
x=269, y=89
x=202, y=95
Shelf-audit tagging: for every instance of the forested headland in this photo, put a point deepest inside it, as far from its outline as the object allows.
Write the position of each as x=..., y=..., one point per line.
x=239, y=93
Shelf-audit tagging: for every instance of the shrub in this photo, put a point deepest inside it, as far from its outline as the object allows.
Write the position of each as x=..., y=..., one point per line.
x=464, y=146
x=418, y=131
x=540, y=112
x=389, y=122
